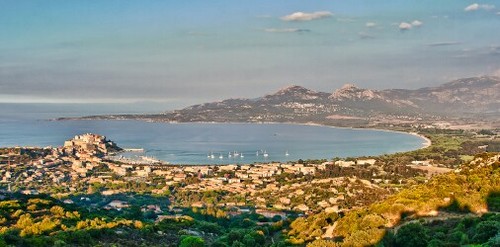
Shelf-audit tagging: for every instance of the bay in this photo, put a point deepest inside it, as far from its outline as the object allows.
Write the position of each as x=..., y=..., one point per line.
x=193, y=143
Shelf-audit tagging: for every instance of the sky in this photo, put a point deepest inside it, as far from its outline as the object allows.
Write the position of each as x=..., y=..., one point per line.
x=179, y=53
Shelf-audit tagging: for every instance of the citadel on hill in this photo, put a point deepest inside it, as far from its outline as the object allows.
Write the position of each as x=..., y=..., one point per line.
x=89, y=145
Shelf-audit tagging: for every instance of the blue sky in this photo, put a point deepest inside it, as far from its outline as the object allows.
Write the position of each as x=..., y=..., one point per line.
x=184, y=52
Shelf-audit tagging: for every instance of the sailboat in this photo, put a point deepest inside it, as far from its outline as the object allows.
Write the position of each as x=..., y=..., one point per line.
x=241, y=155
x=265, y=153
x=286, y=153
x=220, y=156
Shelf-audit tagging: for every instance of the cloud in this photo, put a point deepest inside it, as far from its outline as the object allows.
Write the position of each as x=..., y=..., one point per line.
x=403, y=26
x=472, y=7
x=286, y=30
x=301, y=16
x=444, y=43
x=476, y=6
x=346, y=20
x=363, y=35
x=370, y=24
x=487, y=7
x=416, y=23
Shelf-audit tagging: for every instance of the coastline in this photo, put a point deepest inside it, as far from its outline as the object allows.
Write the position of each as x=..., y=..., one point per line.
x=425, y=144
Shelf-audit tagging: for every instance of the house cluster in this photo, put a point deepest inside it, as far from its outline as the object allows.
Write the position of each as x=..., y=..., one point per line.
x=82, y=163
x=44, y=168
x=243, y=179
x=344, y=163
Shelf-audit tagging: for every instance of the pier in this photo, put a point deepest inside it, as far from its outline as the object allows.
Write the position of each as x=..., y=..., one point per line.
x=133, y=149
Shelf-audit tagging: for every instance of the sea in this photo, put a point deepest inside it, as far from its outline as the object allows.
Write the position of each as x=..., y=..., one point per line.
x=195, y=143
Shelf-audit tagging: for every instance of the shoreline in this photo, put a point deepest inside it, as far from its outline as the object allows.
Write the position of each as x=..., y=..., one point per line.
x=426, y=142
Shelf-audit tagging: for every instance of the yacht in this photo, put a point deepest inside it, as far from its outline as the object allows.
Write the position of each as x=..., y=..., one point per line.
x=211, y=155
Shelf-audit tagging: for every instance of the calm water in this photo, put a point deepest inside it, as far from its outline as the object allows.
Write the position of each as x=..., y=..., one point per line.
x=191, y=143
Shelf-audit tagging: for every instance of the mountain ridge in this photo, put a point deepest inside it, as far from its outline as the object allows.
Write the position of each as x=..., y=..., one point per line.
x=347, y=106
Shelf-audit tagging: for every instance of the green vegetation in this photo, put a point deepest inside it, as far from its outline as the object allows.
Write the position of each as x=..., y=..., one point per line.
x=449, y=148
x=481, y=231
x=191, y=241
x=307, y=229
x=44, y=221
x=472, y=190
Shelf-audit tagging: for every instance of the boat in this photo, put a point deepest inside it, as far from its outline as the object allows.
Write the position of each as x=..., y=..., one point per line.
x=150, y=159
x=220, y=156
x=241, y=155
x=265, y=153
x=286, y=153
x=229, y=155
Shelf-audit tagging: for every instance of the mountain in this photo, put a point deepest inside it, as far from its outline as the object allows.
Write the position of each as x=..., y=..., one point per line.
x=469, y=95
x=348, y=106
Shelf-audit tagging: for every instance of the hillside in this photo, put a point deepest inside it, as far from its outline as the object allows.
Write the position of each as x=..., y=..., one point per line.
x=470, y=191
x=348, y=106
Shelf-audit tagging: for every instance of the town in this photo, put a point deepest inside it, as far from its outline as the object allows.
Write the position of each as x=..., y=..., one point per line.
x=85, y=165
x=283, y=199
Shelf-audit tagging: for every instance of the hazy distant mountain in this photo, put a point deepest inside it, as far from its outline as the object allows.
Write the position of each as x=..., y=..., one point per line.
x=347, y=105
x=469, y=95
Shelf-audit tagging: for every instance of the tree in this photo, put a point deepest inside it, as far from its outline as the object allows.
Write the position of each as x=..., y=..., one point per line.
x=192, y=241
x=412, y=234
x=485, y=230
x=248, y=240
